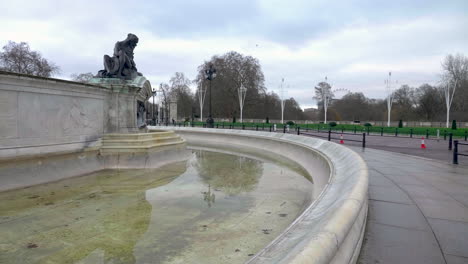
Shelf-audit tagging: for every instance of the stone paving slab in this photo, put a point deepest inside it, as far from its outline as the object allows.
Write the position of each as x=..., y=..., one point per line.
x=452, y=236
x=418, y=210
x=456, y=259
x=389, y=194
x=389, y=213
x=388, y=244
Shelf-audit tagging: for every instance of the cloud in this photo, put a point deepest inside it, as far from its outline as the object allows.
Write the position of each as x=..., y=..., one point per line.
x=354, y=43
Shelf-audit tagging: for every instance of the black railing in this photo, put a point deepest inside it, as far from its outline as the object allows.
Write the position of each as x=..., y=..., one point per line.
x=367, y=131
x=330, y=133
x=456, y=153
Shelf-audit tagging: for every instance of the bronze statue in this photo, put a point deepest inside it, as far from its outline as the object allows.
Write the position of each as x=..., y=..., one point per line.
x=121, y=65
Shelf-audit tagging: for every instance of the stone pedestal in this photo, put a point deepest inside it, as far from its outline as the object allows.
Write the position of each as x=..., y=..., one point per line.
x=124, y=108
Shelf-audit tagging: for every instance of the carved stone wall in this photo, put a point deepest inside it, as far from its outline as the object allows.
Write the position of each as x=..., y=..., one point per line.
x=44, y=115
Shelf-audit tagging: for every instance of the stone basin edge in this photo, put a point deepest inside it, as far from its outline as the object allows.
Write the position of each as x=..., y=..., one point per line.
x=331, y=228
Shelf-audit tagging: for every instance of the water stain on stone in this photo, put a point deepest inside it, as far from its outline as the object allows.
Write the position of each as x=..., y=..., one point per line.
x=32, y=245
x=282, y=215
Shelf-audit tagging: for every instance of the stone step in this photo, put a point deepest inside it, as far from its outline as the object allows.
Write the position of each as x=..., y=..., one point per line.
x=137, y=135
x=139, y=142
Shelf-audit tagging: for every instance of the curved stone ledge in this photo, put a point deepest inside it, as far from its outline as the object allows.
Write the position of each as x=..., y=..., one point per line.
x=330, y=230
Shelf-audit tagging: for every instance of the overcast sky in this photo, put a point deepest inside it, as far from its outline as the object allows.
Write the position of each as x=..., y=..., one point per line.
x=354, y=43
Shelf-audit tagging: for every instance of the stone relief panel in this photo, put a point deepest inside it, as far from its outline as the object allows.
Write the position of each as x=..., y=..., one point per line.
x=8, y=114
x=58, y=116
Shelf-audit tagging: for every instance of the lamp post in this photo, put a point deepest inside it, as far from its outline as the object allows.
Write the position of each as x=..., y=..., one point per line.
x=210, y=74
x=152, y=110
x=326, y=97
x=390, y=95
x=282, y=100
x=242, y=91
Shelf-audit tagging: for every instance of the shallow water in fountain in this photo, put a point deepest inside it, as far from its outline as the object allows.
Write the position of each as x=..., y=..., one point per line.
x=213, y=208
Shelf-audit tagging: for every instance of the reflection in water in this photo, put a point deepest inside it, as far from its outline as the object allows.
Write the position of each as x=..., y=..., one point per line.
x=209, y=197
x=64, y=222
x=212, y=211
x=230, y=173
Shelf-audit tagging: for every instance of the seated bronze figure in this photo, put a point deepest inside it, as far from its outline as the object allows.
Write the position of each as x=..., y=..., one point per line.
x=121, y=65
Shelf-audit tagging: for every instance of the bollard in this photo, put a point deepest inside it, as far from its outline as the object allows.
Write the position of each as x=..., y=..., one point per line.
x=329, y=135
x=223, y=124
x=363, y=140
x=396, y=131
x=298, y=130
x=411, y=133
x=354, y=129
x=381, y=131
x=256, y=128
x=455, y=152
x=445, y=134
x=450, y=141
x=284, y=129
x=466, y=134
x=217, y=125
x=243, y=127
x=270, y=128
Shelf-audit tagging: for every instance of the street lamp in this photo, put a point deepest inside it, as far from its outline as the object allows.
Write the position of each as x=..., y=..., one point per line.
x=210, y=74
x=326, y=97
x=390, y=95
x=282, y=94
x=152, y=110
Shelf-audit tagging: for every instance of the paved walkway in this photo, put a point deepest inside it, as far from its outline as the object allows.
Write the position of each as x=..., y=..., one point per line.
x=418, y=210
x=436, y=148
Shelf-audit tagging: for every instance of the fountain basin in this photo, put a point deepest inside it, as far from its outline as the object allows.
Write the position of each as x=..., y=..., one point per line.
x=331, y=229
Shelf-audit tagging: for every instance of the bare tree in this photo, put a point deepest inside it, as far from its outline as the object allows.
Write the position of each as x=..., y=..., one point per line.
x=164, y=93
x=82, y=77
x=405, y=102
x=455, y=72
x=352, y=106
x=181, y=91
x=19, y=58
x=324, y=95
x=429, y=102
x=233, y=69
